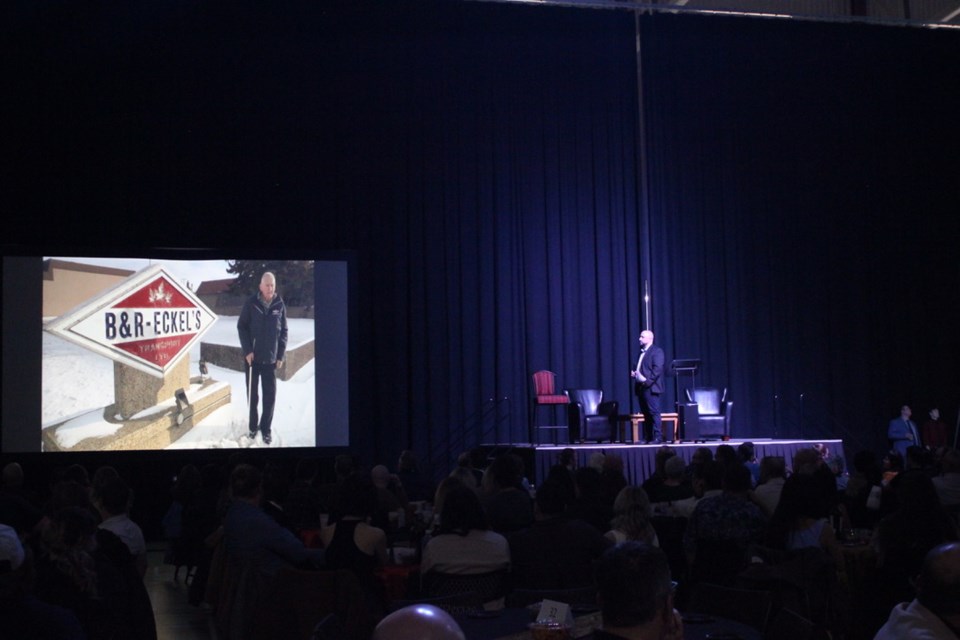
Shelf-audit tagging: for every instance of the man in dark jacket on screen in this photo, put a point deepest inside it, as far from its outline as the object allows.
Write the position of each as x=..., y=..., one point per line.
x=263, y=337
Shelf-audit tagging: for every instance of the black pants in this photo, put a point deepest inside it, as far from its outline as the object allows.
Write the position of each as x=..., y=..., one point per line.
x=650, y=408
x=265, y=374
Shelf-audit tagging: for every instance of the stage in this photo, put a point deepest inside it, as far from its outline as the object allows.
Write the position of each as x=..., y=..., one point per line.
x=638, y=459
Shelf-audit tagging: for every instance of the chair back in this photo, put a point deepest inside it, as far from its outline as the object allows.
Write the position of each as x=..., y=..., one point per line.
x=544, y=383
x=589, y=399
x=709, y=401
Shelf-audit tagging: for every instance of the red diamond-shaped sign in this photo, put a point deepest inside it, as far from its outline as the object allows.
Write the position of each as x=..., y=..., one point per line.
x=149, y=321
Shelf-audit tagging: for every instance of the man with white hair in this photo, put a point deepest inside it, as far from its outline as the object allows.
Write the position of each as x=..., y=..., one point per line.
x=263, y=338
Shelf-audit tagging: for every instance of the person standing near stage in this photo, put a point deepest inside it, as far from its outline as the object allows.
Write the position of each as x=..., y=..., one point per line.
x=902, y=432
x=263, y=337
x=648, y=385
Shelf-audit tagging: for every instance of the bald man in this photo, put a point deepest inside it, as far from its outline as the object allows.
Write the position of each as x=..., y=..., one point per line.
x=648, y=385
x=263, y=338
x=935, y=613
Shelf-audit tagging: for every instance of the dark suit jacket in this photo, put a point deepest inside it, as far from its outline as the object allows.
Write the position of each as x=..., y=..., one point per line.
x=652, y=369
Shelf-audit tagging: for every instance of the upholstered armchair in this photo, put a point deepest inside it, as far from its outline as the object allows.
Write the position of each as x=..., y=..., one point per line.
x=589, y=417
x=714, y=410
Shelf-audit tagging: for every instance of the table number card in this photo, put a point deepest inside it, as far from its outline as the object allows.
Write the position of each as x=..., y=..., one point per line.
x=552, y=611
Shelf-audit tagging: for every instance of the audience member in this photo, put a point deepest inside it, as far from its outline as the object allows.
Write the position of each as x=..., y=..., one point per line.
x=934, y=613
x=446, y=485
x=700, y=456
x=933, y=432
x=464, y=545
x=112, y=499
x=418, y=622
x=417, y=485
x=612, y=478
x=706, y=483
x=22, y=613
x=391, y=499
x=891, y=465
x=919, y=458
x=866, y=475
x=11, y=481
x=596, y=460
x=636, y=595
x=590, y=504
x=655, y=479
x=947, y=483
x=902, y=539
x=726, y=456
x=466, y=476
x=631, y=519
x=202, y=516
x=674, y=487
x=67, y=571
x=837, y=466
x=507, y=504
x=556, y=551
x=801, y=519
x=473, y=461
x=773, y=474
x=303, y=504
x=351, y=543
x=748, y=456
x=722, y=528
x=185, y=484
x=254, y=538
x=568, y=459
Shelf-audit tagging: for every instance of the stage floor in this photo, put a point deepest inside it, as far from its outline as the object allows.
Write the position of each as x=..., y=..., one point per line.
x=639, y=459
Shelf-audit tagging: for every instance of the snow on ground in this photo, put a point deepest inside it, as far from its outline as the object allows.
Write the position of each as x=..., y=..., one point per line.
x=77, y=384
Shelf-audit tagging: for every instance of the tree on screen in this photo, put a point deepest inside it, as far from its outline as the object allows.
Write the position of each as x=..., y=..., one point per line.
x=294, y=278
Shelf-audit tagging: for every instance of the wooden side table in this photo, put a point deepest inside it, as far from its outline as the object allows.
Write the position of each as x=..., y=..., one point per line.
x=636, y=421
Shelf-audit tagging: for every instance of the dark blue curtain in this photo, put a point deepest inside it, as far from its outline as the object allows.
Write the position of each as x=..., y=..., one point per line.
x=802, y=193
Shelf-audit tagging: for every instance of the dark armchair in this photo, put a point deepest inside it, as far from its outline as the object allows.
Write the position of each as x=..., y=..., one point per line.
x=589, y=417
x=714, y=410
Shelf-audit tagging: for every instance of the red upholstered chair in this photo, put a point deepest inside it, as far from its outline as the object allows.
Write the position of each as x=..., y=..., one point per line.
x=544, y=393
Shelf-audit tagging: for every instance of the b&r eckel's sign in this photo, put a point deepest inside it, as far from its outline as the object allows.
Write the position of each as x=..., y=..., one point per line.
x=149, y=322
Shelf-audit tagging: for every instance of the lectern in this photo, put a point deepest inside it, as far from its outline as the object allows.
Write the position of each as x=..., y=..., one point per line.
x=688, y=417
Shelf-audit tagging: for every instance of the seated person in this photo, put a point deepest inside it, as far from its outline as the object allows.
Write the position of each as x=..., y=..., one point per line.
x=507, y=504
x=557, y=551
x=801, y=519
x=935, y=612
x=252, y=536
x=631, y=520
x=464, y=545
x=706, y=482
x=773, y=473
x=674, y=486
x=391, y=498
x=351, y=542
x=112, y=500
x=722, y=528
x=23, y=615
x=635, y=594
